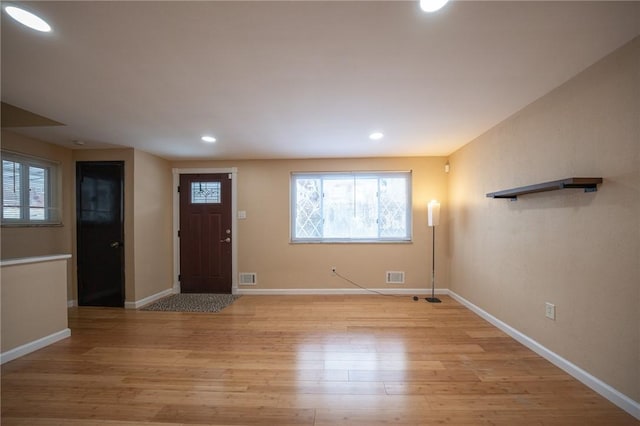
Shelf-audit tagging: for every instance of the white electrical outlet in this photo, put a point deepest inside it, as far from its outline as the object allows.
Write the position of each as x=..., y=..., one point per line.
x=550, y=310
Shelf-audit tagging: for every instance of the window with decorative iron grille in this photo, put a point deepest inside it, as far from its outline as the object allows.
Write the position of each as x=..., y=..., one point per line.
x=351, y=207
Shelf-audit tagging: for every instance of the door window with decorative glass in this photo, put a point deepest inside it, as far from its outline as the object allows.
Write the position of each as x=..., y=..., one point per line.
x=206, y=193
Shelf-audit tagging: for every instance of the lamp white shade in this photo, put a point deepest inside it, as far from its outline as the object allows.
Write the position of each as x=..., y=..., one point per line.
x=434, y=213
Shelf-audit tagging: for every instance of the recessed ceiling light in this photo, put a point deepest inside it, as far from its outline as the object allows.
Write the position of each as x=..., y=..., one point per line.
x=432, y=5
x=28, y=19
x=209, y=139
x=376, y=136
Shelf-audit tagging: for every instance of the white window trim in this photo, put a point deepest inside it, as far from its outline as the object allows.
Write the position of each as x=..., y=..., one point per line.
x=292, y=210
x=54, y=189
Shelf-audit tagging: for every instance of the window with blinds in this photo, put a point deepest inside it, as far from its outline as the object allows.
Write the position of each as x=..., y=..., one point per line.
x=29, y=190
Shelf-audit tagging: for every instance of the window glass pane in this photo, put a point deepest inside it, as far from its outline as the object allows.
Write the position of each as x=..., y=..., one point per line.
x=393, y=207
x=11, y=194
x=205, y=192
x=338, y=207
x=98, y=203
x=350, y=208
x=308, y=213
x=37, y=193
x=365, y=217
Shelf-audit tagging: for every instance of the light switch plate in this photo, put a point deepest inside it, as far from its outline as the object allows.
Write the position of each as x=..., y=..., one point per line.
x=550, y=310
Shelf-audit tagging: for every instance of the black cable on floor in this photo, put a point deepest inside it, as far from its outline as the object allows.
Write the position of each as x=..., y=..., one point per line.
x=364, y=288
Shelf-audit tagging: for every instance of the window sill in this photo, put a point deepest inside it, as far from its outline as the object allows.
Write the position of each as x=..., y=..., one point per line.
x=32, y=225
x=352, y=242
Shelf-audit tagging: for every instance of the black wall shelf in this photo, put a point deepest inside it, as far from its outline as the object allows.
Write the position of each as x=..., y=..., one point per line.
x=588, y=184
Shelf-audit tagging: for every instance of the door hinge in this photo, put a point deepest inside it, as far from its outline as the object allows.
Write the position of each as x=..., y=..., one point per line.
x=179, y=277
x=178, y=188
x=230, y=176
x=178, y=233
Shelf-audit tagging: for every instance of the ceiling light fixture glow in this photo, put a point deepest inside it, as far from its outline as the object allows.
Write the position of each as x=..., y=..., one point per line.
x=209, y=139
x=432, y=5
x=28, y=19
x=376, y=136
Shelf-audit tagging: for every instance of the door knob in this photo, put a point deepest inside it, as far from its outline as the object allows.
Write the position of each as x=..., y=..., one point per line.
x=226, y=240
x=114, y=244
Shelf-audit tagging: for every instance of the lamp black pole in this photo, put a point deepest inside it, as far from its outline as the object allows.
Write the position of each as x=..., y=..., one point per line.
x=433, y=298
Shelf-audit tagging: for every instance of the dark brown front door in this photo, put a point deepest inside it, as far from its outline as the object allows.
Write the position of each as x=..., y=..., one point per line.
x=205, y=233
x=100, y=233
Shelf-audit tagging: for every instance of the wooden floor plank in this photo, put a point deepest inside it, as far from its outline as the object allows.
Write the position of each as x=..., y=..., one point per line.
x=294, y=360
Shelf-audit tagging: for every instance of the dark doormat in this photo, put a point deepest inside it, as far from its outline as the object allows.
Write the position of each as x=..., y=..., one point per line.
x=192, y=302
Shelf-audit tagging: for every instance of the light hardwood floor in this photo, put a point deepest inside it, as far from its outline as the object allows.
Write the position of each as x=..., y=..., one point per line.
x=295, y=360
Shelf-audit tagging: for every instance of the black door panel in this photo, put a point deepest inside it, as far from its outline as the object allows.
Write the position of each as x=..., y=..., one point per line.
x=100, y=236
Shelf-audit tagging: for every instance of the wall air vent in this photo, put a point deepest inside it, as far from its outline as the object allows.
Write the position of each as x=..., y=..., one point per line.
x=395, y=277
x=248, y=278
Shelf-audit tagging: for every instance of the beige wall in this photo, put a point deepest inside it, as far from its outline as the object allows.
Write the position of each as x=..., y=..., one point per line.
x=264, y=247
x=34, y=302
x=47, y=240
x=580, y=251
x=153, y=250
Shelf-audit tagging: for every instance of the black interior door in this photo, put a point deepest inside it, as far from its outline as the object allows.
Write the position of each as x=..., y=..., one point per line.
x=100, y=233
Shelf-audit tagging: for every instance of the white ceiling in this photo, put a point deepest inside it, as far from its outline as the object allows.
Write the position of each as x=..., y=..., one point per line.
x=297, y=79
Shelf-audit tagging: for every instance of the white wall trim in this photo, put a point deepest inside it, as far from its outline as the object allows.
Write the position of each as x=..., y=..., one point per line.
x=34, y=259
x=234, y=220
x=27, y=348
x=72, y=303
x=140, y=303
x=336, y=291
x=618, y=398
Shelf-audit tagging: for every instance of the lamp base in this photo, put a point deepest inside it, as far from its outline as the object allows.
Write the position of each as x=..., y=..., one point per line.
x=433, y=300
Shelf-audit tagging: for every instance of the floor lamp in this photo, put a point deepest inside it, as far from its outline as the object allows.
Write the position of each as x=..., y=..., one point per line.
x=434, y=218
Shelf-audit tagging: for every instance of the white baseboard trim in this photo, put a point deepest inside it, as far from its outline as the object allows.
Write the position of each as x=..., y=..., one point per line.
x=618, y=398
x=142, y=302
x=27, y=348
x=336, y=291
x=72, y=303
